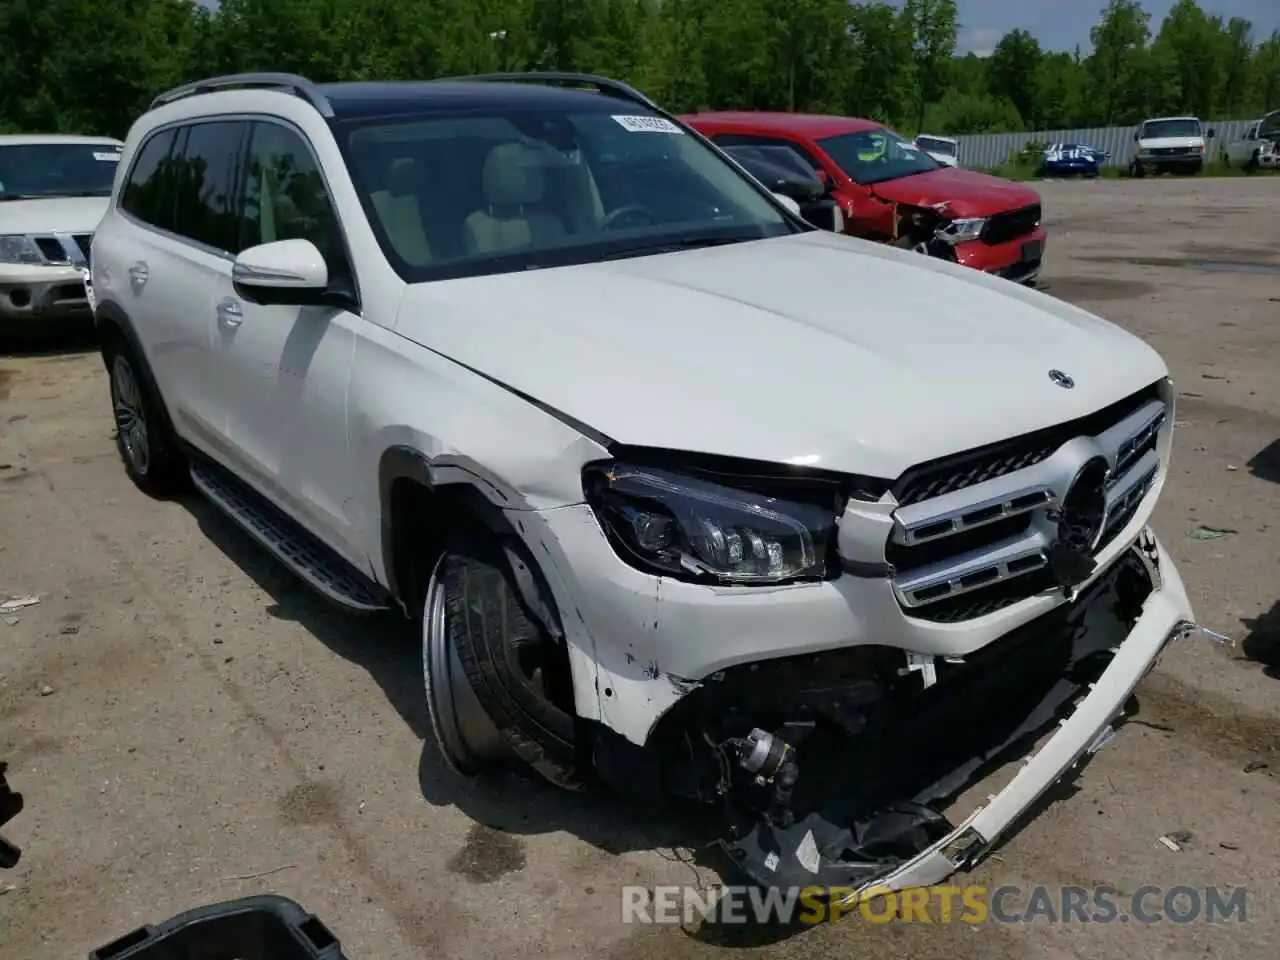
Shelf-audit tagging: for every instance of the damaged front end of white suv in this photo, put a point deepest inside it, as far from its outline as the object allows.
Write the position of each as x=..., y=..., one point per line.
x=832, y=659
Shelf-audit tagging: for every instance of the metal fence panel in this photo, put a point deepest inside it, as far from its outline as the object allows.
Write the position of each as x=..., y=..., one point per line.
x=990, y=149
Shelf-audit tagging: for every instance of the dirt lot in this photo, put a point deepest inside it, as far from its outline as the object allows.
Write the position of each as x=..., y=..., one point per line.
x=189, y=725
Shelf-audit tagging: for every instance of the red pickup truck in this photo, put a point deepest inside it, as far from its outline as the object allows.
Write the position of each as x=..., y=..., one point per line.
x=890, y=190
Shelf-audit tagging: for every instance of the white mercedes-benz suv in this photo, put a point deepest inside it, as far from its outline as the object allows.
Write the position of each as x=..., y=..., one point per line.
x=690, y=498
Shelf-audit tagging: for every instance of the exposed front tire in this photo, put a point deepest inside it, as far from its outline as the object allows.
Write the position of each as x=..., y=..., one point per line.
x=1137, y=170
x=483, y=652
x=144, y=439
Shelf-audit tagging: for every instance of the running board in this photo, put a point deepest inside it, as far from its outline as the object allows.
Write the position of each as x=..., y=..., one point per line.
x=317, y=565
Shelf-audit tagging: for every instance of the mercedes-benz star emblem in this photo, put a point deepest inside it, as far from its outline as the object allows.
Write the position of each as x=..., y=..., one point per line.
x=1080, y=521
x=1061, y=379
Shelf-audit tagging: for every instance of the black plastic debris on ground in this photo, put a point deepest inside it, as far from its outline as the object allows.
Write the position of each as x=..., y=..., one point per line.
x=267, y=927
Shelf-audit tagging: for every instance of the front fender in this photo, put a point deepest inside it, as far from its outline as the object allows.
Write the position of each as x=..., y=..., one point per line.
x=418, y=415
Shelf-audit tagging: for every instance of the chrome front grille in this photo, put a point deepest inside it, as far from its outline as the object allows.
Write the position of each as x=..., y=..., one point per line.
x=972, y=533
x=62, y=248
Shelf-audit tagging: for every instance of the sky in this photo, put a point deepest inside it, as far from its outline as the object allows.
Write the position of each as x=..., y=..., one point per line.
x=1061, y=24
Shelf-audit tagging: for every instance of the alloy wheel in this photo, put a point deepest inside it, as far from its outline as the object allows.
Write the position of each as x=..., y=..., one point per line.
x=131, y=421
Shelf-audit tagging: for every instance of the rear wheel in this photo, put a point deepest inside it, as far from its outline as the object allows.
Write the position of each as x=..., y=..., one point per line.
x=496, y=683
x=144, y=440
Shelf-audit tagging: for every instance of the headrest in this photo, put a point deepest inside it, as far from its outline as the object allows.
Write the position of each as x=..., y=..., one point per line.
x=514, y=174
x=402, y=177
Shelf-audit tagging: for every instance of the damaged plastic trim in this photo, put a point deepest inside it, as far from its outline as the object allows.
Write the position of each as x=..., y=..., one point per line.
x=1162, y=622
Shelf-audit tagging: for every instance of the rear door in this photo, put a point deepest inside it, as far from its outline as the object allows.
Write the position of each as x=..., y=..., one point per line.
x=209, y=160
x=176, y=206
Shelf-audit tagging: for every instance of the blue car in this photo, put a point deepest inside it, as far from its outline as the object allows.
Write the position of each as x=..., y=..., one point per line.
x=1072, y=160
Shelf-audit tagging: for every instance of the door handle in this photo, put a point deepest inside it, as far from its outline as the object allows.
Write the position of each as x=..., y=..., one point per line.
x=139, y=274
x=229, y=313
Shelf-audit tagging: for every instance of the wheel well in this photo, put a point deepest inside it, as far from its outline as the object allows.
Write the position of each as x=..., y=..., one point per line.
x=420, y=520
x=110, y=334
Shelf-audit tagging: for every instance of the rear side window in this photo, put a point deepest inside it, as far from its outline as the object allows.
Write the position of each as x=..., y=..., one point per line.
x=148, y=195
x=775, y=143
x=207, y=181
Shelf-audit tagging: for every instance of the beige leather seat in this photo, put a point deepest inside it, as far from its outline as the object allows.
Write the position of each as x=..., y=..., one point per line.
x=514, y=181
x=401, y=214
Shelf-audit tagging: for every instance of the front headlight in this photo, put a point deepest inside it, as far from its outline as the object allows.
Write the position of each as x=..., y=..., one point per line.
x=706, y=531
x=960, y=231
x=15, y=248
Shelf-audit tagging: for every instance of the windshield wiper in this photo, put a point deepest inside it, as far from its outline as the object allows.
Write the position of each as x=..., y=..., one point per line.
x=672, y=246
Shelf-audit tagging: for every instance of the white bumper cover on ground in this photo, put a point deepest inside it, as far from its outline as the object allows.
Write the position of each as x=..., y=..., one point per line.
x=1166, y=617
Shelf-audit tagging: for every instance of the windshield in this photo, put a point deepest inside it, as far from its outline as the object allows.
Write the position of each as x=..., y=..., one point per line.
x=31, y=170
x=874, y=156
x=465, y=194
x=936, y=146
x=1154, y=129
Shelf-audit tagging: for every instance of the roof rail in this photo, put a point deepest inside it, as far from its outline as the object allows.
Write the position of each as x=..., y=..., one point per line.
x=612, y=88
x=290, y=82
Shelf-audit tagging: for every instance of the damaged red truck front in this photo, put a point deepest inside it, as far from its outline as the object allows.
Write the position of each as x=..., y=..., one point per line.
x=892, y=191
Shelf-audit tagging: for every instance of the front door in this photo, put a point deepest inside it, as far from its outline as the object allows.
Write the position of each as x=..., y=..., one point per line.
x=285, y=369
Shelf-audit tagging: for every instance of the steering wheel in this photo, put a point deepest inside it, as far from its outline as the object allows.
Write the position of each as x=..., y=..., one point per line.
x=630, y=211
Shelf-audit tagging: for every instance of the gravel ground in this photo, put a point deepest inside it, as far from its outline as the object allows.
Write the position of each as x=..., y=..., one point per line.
x=189, y=725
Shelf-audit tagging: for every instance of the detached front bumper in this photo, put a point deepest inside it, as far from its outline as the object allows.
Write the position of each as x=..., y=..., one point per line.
x=1018, y=260
x=32, y=296
x=1166, y=616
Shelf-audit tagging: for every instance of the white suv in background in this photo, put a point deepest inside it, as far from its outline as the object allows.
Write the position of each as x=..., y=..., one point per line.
x=1170, y=145
x=53, y=191
x=689, y=497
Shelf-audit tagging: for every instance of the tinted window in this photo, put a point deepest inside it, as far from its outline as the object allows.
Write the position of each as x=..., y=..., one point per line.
x=515, y=188
x=148, y=194
x=773, y=143
x=284, y=194
x=57, y=170
x=1154, y=129
x=206, y=178
x=943, y=147
x=873, y=156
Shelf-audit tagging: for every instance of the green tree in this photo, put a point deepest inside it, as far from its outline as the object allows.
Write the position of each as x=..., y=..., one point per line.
x=1188, y=54
x=1011, y=74
x=1266, y=75
x=879, y=36
x=1117, y=68
x=933, y=25
x=1059, y=92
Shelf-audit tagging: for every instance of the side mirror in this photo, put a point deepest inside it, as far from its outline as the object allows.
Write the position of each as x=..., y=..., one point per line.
x=1137, y=135
x=282, y=272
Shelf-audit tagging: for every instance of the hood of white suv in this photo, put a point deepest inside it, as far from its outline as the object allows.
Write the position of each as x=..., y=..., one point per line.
x=52, y=215
x=1164, y=143
x=816, y=349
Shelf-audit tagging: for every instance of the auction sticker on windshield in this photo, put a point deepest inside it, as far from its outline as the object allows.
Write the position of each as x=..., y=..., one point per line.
x=106, y=156
x=647, y=124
